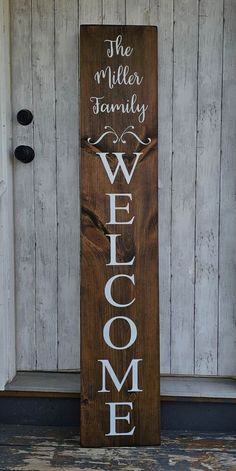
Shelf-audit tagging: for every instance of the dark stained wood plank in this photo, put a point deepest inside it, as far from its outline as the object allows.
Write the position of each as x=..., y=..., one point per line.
x=138, y=239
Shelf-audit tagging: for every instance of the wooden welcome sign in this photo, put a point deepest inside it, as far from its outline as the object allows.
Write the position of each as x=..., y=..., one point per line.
x=119, y=250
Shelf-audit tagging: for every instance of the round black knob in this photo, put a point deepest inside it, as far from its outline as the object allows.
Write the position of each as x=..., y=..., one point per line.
x=24, y=117
x=24, y=154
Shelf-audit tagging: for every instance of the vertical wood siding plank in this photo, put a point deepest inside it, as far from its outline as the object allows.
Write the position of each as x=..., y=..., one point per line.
x=23, y=187
x=45, y=183
x=183, y=192
x=161, y=14
x=227, y=295
x=67, y=125
x=207, y=187
x=137, y=12
x=114, y=12
x=90, y=11
x=7, y=269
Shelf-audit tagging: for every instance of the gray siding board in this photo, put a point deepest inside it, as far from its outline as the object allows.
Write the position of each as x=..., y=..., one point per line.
x=22, y=97
x=208, y=185
x=227, y=256
x=183, y=185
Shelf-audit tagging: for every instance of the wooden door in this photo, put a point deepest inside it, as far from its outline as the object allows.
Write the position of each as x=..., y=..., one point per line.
x=197, y=223
x=45, y=81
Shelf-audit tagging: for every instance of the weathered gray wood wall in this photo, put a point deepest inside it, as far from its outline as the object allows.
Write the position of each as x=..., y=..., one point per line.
x=197, y=178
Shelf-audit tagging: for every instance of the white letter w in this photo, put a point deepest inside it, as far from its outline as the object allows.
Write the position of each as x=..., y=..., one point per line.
x=121, y=164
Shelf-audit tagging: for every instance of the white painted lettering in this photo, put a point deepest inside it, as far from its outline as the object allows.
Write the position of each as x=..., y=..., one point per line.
x=133, y=366
x=121, y=165
x=113, y=260
x=116, y=47
x=108, y=288
x=114, y=208
x=114, y=418
x=106, y=333
x=130, y=106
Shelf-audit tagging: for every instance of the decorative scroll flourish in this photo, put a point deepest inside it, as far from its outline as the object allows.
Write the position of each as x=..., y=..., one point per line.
x=117, y=138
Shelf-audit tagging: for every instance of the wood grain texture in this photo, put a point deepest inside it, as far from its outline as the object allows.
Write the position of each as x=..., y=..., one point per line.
x=161, y=14
x=52, y=448
x=183, y=185
x=113, y=12
x=188, y=226
x=137, y=12
x=45, y=183
x=139, y=239
x=67, y=142
x=90, y=11
x=207, y=185
x=22, y=97
x=227, y=301
x=7, y=269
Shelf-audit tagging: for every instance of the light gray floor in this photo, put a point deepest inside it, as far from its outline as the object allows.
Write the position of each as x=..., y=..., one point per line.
x=177, y=386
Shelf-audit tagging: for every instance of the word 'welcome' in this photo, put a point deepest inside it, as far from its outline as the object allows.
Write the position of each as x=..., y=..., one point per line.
x=114, y=219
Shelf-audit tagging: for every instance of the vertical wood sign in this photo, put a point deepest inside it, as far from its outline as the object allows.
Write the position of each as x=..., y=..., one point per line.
x=119, y=251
